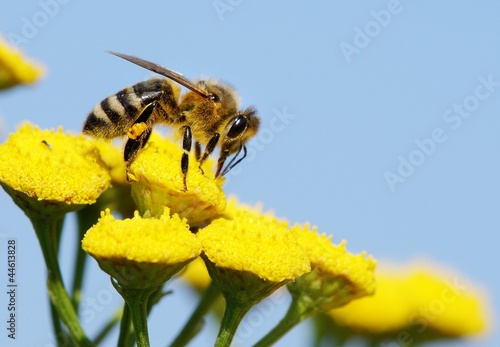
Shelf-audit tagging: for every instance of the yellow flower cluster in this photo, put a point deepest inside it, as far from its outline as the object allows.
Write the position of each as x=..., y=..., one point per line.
x=53, y=166
x=256, y=243
x=141, y=252
x=420, y=298
x=14, y=68
x=334, y=262
x=247, y=254
x=157, y=181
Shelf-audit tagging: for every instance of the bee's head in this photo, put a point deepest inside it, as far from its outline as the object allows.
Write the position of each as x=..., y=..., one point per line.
x=214, y=110
x=238, y=130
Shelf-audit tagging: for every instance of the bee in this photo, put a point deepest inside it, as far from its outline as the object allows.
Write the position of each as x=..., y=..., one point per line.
x=207, y=111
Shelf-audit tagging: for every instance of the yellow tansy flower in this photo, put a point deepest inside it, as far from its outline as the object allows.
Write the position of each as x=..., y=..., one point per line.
x=157, y=182
x=249, y=257
x=449, y=304
x=338, y=276
x=49, y=173
x=139, y=252
x=420, y=300
x=255, y=243
x=14, y=68
x=51, y=168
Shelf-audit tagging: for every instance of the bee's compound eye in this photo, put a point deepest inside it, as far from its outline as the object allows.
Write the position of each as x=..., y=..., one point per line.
x=214, y=98
x=238, y=127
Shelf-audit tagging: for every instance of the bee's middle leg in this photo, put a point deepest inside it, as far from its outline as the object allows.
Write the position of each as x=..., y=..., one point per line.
x=186, y=146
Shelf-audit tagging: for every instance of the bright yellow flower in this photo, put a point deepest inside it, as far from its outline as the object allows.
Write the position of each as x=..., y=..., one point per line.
x=249, y=255
x=420, y=299
x=255, y=243
x=157, y=182
x=14, y=68
x=338, y=275
x=448, y=304
x=141, y=252
x=51, y=166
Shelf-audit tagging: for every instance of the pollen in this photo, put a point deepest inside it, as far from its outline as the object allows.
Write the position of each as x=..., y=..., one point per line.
x=255, y=243
x=52, y=165
x=136, y=130
x=157, y=182
x=15, y=68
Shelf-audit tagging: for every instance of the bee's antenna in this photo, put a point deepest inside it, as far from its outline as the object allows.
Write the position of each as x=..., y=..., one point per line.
x=232, y=164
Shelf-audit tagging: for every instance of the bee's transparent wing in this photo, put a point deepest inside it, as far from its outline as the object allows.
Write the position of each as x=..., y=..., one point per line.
x=175, y=76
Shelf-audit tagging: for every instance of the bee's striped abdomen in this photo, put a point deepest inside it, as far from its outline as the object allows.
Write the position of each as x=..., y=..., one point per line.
x=113, y=116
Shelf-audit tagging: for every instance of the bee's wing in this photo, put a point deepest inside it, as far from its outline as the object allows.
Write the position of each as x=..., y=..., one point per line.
x=175, y=76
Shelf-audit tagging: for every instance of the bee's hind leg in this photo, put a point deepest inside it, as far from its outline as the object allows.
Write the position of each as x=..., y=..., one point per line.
x=132, y=147
x=138, y=136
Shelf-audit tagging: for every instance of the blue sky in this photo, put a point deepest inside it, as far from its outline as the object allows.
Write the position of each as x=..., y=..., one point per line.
x=380, y=123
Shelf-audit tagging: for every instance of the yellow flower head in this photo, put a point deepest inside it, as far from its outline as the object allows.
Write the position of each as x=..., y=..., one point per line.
x=141, y=252
x=252, y=252
x=420, y=300
x=447, y=304
x=157, y=181
x=58, y=168
x=337, y=277
x=14, y=68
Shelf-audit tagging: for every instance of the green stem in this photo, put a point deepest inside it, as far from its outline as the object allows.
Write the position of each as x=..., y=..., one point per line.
x=195, y=323
x=233, y=314
x=47, y=230
x=297, y=312
x=138, y=305
x=123, y=339
x=86, y=217
x=56, y=324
